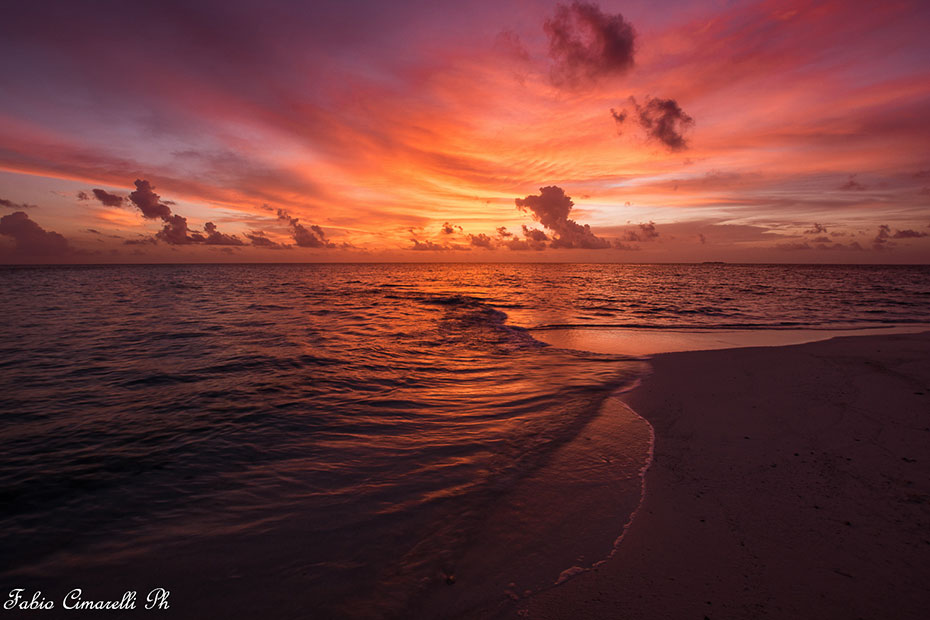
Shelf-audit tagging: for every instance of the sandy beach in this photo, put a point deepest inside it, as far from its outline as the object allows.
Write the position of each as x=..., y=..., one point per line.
x=787, y=482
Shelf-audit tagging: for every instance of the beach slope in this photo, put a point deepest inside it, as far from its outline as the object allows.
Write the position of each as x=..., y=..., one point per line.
x=788, y=482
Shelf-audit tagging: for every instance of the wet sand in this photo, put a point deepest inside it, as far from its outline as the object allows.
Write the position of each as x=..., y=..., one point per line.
x=787, y=482
x=629, y=341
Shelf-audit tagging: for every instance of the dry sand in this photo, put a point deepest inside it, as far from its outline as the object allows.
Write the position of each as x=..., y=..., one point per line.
x=789, y=482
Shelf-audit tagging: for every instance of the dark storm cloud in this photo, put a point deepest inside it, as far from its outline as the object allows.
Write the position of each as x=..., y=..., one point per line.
x=9, y=204
x=304, y=237
x=816, y=229
x=586, y=44
x=149, y=202
x=32, y=242
x=107, y=199
x=662, y=120
x=448, y=228
x=551, y=209
x=259, y=240
x=646, y=232
x=82, y=196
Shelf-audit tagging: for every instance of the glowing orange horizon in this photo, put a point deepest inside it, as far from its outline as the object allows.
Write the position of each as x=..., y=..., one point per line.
x=792, y=126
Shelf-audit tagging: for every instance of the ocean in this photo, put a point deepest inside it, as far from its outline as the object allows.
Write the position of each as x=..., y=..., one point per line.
x=357, y=441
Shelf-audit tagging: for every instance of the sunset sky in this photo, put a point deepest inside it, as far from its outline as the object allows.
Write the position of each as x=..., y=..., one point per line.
x=633, y=131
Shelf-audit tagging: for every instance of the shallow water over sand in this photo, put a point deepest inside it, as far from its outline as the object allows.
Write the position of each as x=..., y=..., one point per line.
x=652, y=341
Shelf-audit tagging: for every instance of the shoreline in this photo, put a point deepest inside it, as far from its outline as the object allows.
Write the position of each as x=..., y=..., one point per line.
x=523, y=546
x=637, y=341
x=786, y=482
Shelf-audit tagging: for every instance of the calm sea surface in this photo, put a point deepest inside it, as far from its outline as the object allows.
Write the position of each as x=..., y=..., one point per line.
x=347, y=440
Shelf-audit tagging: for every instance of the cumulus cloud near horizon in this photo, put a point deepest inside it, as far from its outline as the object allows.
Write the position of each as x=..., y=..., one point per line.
x=551, y=208
x=31, y=241
x=883, y=238
x=175, y=230
x=305, y=237
x=816, y=229
x=259, y=240
x=645, y=232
